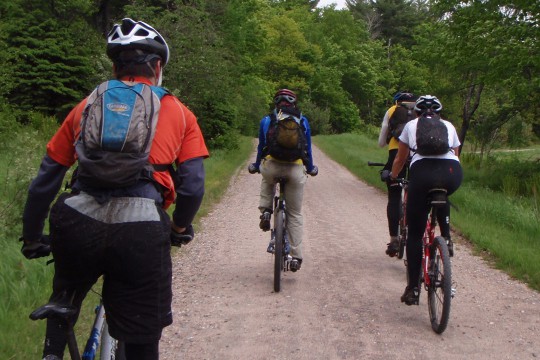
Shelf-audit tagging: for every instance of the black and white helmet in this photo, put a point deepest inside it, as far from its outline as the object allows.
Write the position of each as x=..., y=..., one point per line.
x=428, y=103
x=131, y=35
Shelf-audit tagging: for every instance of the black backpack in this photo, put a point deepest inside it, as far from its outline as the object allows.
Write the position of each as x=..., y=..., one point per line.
x=431, y=136
x=403, y=113
x=286, y=137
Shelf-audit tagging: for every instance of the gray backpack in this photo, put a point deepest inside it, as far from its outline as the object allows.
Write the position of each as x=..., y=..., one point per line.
x=117, y=129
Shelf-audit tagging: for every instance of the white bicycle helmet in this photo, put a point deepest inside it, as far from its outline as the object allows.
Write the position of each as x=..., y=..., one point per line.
x=428, y=103
x=132, y=34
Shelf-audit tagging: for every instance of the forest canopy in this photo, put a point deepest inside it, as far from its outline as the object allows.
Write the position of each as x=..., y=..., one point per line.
x=481, y=58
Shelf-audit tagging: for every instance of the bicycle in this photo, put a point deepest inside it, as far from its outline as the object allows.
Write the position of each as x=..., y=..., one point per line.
x=99, y=338
x=109, y=348
x=402, y=231
x=278, y=235
x=436, y=274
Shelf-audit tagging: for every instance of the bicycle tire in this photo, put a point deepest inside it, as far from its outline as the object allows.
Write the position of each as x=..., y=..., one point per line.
x=402, y=241
x=402, y=226
x=440, y=287
x=279, y=230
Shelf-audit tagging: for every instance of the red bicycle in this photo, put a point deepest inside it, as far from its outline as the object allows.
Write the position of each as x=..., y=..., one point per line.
x=436, y=272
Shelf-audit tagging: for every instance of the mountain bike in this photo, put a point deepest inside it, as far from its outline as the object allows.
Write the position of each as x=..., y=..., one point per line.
x=99, y=339
x=109, y=348
x=279, y=244
x=402, y=231
x=436, y=272
x=279, y=236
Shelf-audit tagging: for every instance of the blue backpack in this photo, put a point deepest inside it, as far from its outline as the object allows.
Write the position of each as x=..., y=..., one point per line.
x=117, y=129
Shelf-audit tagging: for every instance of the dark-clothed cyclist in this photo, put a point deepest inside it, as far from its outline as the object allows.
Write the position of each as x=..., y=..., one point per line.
x=426, y=172
x=122, y=233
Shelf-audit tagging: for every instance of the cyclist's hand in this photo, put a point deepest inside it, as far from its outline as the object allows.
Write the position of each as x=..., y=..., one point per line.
x=183, y=238
x=385, y=175
x=36, y=249
x=253, y=168
x=314, y=171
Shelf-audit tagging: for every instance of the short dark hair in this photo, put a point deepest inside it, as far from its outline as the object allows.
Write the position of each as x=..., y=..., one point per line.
x=136, y=63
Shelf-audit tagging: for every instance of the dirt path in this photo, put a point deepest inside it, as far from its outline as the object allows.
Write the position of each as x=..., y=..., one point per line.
x=344, y=302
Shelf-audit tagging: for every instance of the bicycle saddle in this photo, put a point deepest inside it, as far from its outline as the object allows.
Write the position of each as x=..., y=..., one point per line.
x=437, y=197
x=53, y=310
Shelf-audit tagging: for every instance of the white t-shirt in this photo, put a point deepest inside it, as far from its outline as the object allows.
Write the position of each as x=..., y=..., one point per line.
x=408, y=136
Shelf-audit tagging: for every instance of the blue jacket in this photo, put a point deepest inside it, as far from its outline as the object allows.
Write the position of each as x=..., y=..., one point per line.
x=263, y=129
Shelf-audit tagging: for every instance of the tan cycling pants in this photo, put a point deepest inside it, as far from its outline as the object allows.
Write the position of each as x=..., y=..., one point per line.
x=294, y=194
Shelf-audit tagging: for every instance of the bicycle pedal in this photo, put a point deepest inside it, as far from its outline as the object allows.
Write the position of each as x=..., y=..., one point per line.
x=287, y=263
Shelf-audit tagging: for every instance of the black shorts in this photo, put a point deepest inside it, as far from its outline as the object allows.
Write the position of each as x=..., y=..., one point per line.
x=127, y=241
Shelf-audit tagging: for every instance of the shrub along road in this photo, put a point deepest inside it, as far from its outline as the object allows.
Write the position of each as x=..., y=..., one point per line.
x=344, y=302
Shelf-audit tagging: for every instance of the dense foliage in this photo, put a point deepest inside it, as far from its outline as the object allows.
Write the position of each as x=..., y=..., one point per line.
x=481, y=58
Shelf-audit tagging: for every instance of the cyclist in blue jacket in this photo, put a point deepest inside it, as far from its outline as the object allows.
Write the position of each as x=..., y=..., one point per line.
x=294, y=162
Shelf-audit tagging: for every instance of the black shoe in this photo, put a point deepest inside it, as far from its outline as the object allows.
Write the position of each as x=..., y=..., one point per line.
x=296, y=264
x=411, y=296
x=265, y=221
x=393, y=247
x=450, y=246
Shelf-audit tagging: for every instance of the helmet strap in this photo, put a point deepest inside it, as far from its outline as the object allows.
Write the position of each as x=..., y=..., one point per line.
x=160, y=76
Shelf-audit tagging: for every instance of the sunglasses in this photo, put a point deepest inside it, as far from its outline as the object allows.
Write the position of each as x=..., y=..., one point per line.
x=433, y=107
x=287, y=98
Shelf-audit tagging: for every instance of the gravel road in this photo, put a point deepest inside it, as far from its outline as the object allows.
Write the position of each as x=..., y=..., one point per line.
x=344, y=302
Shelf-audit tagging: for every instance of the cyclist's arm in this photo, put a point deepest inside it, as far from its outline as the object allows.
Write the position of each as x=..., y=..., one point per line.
x=400, y=160
x=308, y=162
x=384, y=129
x=263, y=128
x=41, y=194
x=190, y=193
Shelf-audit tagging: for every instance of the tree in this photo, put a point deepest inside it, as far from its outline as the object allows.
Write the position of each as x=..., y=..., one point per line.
x=391, y=20
x=487, y=44
x=53, y=70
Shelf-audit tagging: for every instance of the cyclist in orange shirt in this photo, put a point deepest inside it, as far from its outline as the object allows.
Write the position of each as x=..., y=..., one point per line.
x=123, y=233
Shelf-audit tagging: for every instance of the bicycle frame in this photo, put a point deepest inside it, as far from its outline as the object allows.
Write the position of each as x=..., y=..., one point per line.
x=427, y=240
x=99, y=335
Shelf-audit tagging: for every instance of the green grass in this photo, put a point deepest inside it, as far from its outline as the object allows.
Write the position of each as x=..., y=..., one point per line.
x=502, y=225
x=25, y=284
x=530, y=153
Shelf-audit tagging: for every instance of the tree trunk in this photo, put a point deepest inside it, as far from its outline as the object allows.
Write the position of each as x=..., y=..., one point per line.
x=470, y=104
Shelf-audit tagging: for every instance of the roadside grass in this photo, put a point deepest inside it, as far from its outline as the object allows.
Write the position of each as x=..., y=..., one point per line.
x=26, y=284
x=502, y=226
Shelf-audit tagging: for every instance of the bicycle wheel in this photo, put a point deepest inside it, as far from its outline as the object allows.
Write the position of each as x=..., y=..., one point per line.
x=402, y=226
x=279, y=229
x=402, y=240
x=111, y=349
x=440, y=287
